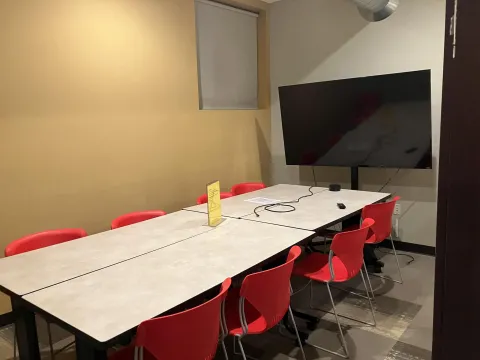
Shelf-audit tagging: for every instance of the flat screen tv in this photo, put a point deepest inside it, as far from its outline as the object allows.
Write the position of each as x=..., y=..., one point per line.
x=375, y=121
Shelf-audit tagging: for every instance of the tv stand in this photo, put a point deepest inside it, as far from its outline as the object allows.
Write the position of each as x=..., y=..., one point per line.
x=354, y=178
x=355, y=219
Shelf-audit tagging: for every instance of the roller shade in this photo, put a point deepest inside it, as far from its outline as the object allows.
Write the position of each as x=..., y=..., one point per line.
x=227, y=56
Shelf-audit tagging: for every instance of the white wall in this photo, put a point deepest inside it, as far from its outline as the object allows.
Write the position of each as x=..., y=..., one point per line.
x=317, y=40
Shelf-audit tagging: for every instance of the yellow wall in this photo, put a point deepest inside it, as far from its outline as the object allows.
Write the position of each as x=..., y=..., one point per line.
x=99, y=114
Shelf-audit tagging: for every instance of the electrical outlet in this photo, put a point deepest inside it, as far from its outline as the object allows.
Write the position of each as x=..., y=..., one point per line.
x=398, y=209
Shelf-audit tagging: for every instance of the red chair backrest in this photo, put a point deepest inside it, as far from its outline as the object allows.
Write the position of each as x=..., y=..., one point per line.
x=204, y=198
x=244, y=188
x=348, y=248
x=188, y=335
x=136, y=217
x=382, y=214
x=269, y=291
x=43, y=239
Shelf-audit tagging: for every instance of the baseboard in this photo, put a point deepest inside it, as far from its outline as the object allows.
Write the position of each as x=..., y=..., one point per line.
x=409, y=247
x=7, y=319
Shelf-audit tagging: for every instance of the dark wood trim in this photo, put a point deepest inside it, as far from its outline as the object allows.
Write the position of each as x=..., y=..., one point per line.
x=457, y=294
x=443, y=185
x=409, y=247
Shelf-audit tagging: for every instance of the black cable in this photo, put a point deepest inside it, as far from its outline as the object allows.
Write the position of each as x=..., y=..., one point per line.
x=314, y=177
x=283, y=203
x=412, y=259
x=389, y=180
x=303, y=288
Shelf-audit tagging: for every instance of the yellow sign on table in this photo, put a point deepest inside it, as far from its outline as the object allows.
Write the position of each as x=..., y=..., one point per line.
x=214, y=204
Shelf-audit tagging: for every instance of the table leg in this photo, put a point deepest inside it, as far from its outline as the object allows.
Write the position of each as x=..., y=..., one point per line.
x=87, y=351
x=26, y=332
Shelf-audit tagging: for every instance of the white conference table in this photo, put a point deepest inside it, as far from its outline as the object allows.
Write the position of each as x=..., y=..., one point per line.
x=240, y=206
x=24, y=273
x=109, y=302
x=99, y=296
x=320, y=211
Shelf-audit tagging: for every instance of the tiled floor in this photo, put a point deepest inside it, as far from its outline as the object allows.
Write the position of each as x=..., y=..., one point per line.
x=404, y=316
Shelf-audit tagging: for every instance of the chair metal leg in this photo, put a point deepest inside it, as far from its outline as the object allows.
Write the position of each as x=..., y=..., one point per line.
x=296, y=332
x=340, y=315
x=50, y=342
x=396, y=258
x=369, y=300
x=369, y=282
x=342, y=338
x=398, y=267
x=225, y=349
x=138, y=353
x=241, y=347
x=242, y=351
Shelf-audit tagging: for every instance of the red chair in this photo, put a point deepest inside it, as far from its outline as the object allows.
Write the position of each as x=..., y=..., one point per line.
x=43, y=239
x=244, y=188
x=343, y=263
x=188, y=335
x=262, y=302
x=38, y=241
x=136, y=217
x=382, y=215
x=204, y=198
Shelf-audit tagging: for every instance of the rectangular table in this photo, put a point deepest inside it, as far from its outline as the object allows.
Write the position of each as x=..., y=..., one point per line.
x=320, y=211
x=101, y=305
x=101, y=298
x=34, y=270
x=237, y=206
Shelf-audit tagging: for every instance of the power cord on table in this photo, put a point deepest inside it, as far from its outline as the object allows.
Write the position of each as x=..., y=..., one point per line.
x=412, y=259
x=291, y=208
x=314, y=177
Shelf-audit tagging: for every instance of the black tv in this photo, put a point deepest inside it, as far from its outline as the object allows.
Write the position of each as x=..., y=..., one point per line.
x=376, y=121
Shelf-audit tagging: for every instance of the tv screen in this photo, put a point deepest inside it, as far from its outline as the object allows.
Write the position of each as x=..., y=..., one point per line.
x=376, y=121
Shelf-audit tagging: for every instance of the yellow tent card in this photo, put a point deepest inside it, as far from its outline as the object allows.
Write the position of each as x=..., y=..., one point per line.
x=214, y=204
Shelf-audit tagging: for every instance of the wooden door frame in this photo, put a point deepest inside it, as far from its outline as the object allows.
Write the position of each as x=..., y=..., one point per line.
x=457, y=270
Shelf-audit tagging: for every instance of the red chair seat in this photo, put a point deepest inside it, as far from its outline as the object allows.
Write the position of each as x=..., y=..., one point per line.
x=136, y=217
x=128, y=353
x=203, y=199
x=43, y=239
x=256, y=321
x=315, y=267
x=244, y=188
